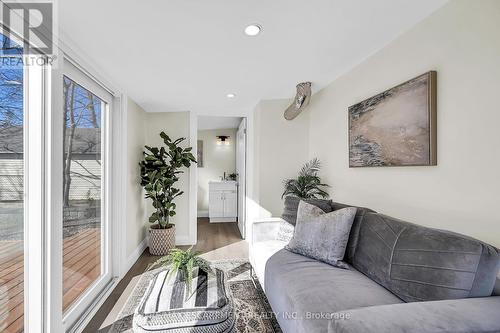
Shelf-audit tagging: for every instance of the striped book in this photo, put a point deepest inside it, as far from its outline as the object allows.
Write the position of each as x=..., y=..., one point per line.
x=167, y=307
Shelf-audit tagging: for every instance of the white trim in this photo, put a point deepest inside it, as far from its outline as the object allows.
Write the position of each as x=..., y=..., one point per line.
x=251, y=191
x=93, y=308
x=183, y=240
x=132, y=258
x=222, y=219
x=203, y=213
x=54, y=238
x=80, y=59
x=241, y=169
x=34, y=198
x=193, y=183
x=118, y=190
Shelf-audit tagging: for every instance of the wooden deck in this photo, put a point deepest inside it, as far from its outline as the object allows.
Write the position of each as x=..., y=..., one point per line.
x=82, y=265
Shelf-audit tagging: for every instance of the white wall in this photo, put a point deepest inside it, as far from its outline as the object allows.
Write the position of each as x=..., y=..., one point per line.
x=175, y=125
x=461, y=41
x=217, y=160
x=136, y=228
x=280, y=150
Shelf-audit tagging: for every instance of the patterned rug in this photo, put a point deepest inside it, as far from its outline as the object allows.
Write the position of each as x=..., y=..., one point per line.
x=252, y=310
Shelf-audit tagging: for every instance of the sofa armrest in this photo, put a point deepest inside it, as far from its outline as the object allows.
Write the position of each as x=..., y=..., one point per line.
x=265, y=229
x=469, y=315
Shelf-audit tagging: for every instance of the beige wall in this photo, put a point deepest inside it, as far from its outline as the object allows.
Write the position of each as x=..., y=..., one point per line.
x=461, y=41
x=217, y=160
x=135, y=205
x=175, y=125
x=281, y=148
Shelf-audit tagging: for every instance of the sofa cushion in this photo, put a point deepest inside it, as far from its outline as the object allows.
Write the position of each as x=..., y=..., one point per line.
x=353, y=237
x=423, y=264
x=469, y=315
x=260, y=253
x=304, y=292
x=292, y=205
x=322, y=236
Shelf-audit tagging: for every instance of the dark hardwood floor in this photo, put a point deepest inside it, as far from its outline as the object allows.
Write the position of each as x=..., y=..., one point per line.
x=215, y=241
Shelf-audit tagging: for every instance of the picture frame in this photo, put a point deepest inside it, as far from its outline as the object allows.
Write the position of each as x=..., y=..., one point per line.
x=397, y=127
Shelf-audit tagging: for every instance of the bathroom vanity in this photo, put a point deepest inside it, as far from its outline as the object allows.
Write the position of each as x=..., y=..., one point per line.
x=222, y=201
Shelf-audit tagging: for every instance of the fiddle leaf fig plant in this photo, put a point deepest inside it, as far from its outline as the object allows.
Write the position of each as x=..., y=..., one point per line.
x=160, y=170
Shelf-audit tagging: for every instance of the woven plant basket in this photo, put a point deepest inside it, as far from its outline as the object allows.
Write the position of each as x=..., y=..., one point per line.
x=161, y=241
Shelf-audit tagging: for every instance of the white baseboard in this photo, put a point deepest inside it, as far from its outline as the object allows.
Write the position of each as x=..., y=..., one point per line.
x=202, y=213
x=183, y=240
x=134, y=256
x=222, y=219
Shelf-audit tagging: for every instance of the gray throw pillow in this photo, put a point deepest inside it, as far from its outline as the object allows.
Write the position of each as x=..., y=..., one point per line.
x=292, y=204
x=322, y=236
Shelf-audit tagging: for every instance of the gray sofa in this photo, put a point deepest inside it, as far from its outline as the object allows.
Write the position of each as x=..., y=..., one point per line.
x=401, y=278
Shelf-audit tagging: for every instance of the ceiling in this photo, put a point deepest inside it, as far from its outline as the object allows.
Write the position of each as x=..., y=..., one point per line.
x=179, y=55
x=212, y=123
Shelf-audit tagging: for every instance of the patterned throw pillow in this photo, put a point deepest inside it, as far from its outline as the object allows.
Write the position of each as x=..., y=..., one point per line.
x=285, y=232
x=322, y=236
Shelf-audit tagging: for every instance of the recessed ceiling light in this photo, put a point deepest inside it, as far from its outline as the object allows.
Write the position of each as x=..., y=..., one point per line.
x=253, y=30
x=230, y=95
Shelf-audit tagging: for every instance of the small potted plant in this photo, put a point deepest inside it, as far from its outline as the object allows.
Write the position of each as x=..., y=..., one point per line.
x=308, y=184
x=184, y=262
x=160, y=170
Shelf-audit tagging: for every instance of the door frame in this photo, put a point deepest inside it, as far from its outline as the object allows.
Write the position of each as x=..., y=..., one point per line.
x=193, y=175
x=54, y=319
x=242, y=177
x=43, y=195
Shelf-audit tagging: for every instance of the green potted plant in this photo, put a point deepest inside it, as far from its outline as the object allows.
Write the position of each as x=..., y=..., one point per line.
x=308, y=184
x=160, y=170
x=184, y=262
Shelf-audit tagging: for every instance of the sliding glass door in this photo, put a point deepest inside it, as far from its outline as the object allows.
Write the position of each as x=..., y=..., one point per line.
x=11, y=192
x=86, y=232
x=55, y=225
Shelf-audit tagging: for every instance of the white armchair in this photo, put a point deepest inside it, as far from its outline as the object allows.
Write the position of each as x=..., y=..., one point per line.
x=265, y=229
x=264, y=244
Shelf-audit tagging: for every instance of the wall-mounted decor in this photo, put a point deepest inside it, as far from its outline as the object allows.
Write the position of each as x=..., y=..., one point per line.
x=396, y=127
x=301, y=100
x=200, y=154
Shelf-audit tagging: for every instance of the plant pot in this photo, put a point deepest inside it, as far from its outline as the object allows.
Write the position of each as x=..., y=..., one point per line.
x=161, y=241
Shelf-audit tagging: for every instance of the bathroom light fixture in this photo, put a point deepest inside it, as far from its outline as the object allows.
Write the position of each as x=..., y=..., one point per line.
x=223, y=140
x=253, y=30
x=231, y=95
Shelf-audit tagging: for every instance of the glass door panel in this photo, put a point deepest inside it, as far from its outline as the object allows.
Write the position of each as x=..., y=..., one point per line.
x=11, y=190
x=84, y=218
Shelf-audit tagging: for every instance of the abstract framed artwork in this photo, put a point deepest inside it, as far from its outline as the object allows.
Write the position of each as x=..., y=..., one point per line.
x=396, y=127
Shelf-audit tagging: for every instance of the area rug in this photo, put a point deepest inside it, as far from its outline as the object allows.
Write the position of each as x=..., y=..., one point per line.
x=252, y=310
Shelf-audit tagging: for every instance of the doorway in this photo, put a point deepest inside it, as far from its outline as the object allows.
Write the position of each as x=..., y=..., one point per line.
x=221, y=172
